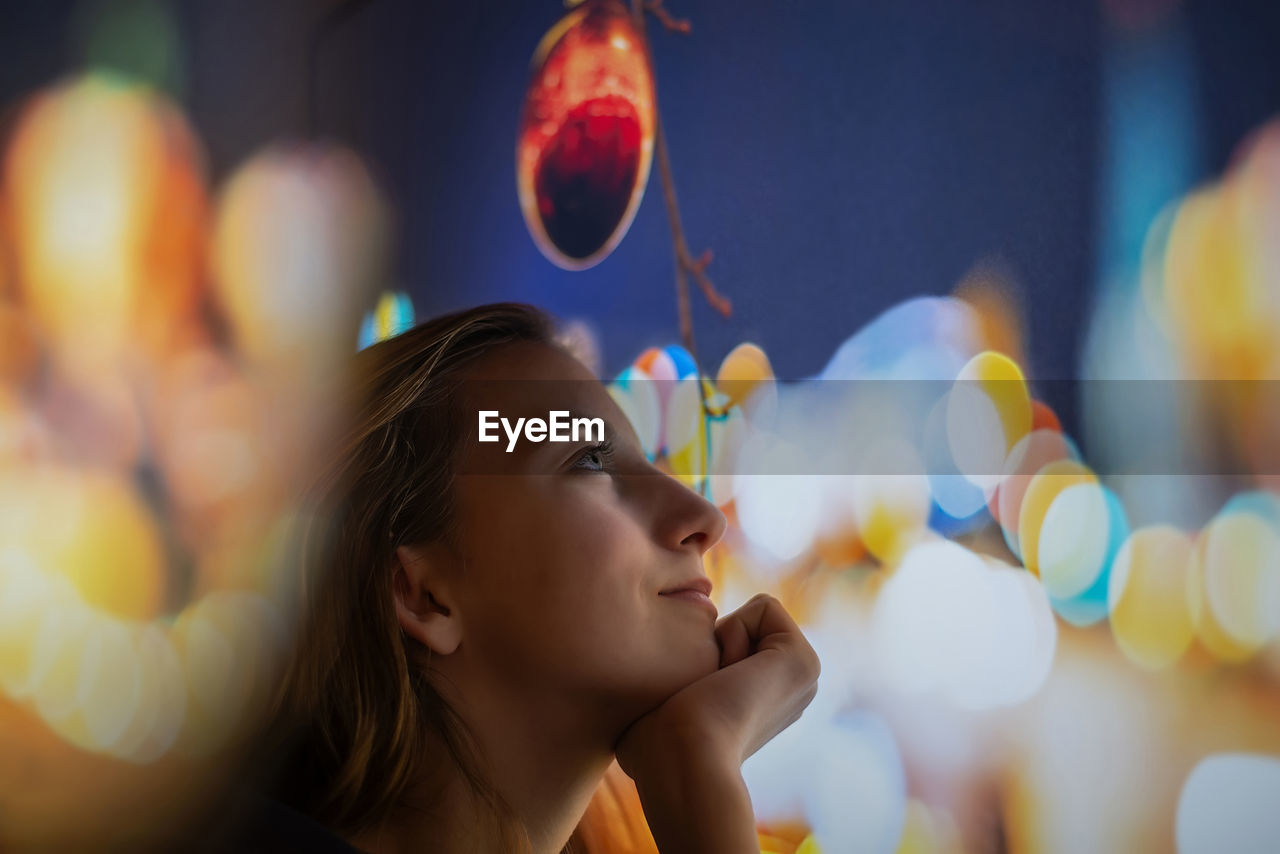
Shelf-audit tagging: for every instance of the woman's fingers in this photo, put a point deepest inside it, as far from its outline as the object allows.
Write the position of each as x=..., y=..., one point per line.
x=734, y=639
x=762, y=623
x=776, y=668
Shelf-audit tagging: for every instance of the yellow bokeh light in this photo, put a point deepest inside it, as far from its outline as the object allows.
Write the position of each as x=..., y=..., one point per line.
x=743, y=373
x=1071, y=550
x=163, y=703
x=26, y=594
x=1047, y=485
x=1239, y=570
x=92, y=528
x=299, y=248
x=1207, y=629
x=1002, y=379
x=1215, y=301
x=109, y=690
x=106, y=209
x=1032, y=452
x=1148, y=597
x=891, y=510
x=57, y=658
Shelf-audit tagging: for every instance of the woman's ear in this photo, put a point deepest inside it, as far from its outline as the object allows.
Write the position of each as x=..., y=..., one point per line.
x=425, y=605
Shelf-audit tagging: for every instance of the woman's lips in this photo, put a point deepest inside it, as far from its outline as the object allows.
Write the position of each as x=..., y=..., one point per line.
x=695, y=596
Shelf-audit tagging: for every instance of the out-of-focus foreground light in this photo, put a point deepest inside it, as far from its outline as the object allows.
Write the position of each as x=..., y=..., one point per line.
x=107, y=208
x=301, y=242
x=91, y=528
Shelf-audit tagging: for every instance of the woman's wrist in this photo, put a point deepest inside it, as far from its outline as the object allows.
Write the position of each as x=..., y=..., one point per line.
x=697, y=801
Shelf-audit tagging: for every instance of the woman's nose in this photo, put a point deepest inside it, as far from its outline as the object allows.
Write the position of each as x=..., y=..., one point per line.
x=685, y=518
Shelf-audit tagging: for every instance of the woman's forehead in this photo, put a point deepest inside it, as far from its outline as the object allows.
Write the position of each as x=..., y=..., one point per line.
x=531, y=380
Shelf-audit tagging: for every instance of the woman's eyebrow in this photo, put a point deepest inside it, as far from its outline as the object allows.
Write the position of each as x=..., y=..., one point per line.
x=613, y=434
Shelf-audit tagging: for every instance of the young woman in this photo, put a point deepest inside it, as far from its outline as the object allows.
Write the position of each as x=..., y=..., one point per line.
x=485, y=627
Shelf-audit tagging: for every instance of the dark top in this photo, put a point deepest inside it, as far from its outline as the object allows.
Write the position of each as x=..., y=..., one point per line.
x=267, y=825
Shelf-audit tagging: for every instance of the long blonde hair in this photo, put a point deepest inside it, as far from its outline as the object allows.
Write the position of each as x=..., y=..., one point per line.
x=358, y=715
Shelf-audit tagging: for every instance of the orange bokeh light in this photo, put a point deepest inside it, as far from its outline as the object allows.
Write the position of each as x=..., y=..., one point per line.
x=586, y=134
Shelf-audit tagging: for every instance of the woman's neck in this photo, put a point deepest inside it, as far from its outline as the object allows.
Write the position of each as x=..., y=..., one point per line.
x=541, y=761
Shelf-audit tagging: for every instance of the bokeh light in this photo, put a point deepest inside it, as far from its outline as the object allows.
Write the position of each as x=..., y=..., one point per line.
x=392, y=315
x=1235, y=577
x=949, y=624
x=107, y=208
x=988, y=412
x=1032, y=453
x=637, y=396
x=1149, y=596
x=301, y=239
x=858, y=800
x=163, y=366
x=1079, y=538
x=1043, y=489
x=1228, y=804
x=90, y=528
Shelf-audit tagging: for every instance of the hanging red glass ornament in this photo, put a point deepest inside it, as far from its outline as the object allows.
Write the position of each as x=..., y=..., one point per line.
x=586, y=134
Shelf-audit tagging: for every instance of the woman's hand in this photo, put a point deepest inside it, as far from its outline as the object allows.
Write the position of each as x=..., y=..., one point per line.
x=686, y=755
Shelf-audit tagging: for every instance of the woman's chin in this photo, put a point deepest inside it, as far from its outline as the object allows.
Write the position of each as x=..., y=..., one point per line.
x=694, y=664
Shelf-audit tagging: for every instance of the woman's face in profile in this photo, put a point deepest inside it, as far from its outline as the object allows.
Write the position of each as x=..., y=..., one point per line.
x=568, y=548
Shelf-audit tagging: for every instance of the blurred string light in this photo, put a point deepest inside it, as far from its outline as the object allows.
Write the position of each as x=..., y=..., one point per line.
x=987, y=451
x=1031, y=454
x=1228, y=804
x=988, y=411
x=1235, y=577
x=392, y=315
x=949, y=624
x=959, y=499
x=858, y=798
x=1083, y=531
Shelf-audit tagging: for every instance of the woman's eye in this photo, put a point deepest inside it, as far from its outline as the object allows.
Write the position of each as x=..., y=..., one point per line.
x=593, y=459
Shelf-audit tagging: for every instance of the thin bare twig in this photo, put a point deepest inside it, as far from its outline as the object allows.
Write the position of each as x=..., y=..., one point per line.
x=685, y=264
x=655, y=8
